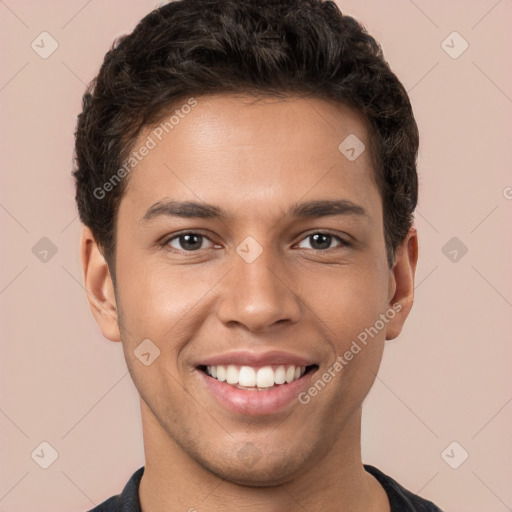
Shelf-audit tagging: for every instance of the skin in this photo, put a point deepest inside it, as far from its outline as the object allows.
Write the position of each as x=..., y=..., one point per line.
x=255, y=160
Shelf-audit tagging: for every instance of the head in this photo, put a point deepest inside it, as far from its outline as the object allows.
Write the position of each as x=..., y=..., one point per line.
x=293, y=248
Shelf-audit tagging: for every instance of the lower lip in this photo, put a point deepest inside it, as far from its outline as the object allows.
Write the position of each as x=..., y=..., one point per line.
x=254, y=402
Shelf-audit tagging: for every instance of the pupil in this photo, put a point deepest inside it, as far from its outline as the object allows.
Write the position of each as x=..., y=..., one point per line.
x=321, y=239
x=186, y=242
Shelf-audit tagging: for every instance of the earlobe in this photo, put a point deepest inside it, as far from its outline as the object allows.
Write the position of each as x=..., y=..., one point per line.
x=99, y=286
x=402, y=283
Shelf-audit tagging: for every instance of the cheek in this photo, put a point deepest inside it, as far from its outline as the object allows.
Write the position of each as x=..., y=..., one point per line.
x=163, y=303
x=348, y=300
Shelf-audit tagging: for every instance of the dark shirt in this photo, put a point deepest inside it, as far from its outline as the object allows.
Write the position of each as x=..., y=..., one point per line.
x=400, y=499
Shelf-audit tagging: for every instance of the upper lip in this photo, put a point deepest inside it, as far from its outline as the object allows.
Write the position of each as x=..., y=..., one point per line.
x=248, y=358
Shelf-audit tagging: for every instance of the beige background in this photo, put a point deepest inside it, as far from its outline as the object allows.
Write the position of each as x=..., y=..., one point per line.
x=447, y=378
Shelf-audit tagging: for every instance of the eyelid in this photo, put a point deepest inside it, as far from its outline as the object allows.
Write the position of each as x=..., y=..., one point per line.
x=166, y=239
x=343, y=241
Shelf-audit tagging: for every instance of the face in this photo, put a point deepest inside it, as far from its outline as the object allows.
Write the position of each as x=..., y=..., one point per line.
x=250, y=252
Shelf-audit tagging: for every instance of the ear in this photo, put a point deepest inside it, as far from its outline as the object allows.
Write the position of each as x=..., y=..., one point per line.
x=99, y=286
x=401, y=283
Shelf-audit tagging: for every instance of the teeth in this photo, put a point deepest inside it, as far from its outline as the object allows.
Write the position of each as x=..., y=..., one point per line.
x=265, y=377
x=232, y=374
x=280, y=375
x=220, y=371
x=247, y=376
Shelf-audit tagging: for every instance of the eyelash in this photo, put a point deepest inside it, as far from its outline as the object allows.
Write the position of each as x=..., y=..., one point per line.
x=342, y=241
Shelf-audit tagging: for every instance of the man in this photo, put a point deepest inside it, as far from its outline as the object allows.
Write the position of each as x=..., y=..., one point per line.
x=246, y=176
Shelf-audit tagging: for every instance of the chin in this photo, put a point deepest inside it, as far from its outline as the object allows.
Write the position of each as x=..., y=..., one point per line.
x=251, y=468
x=265, y=475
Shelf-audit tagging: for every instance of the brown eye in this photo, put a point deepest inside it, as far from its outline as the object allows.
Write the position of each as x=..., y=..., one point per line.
x=322, y=241
x=187, y=242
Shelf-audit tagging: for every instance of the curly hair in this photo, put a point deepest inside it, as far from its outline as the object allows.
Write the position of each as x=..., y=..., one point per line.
x=263, y=47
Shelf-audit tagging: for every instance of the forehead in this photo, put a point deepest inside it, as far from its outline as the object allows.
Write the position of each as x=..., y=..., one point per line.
x=241, y=151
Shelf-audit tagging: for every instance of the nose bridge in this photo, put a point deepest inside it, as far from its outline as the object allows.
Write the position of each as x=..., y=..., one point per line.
x=256, y=292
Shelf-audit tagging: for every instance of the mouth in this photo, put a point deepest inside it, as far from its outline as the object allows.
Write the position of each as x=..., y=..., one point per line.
x=257, y=378
x=256, y=385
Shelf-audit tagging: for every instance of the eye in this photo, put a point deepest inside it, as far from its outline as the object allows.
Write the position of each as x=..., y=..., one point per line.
x=187, y=241
x=322, y=241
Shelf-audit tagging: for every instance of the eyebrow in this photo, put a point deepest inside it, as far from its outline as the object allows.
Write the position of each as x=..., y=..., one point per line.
x=305, y=210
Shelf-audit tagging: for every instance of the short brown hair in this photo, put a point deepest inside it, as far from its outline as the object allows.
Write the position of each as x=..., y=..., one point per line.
x=263, y=47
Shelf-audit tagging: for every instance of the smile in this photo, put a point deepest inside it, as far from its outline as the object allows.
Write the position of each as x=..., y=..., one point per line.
x=252, y=378
x=257, y=385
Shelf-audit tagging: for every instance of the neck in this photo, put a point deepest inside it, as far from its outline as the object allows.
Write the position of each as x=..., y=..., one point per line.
x=174, y=481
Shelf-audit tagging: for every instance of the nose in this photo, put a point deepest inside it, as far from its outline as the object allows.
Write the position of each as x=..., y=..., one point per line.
x=259, y=294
